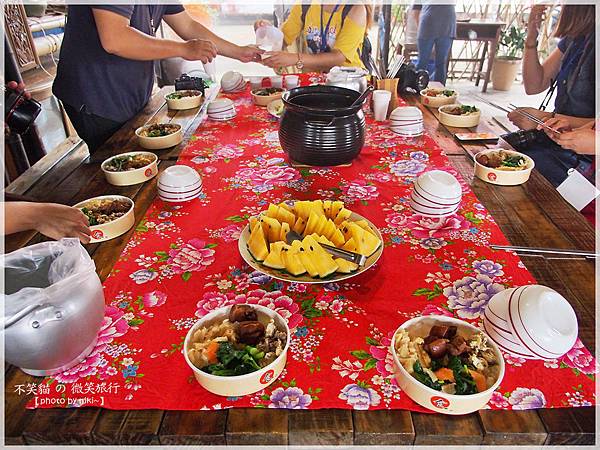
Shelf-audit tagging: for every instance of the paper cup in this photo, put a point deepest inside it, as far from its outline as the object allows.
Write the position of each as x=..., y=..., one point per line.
x=276, y=81
x=291, y=81
x=381, y=102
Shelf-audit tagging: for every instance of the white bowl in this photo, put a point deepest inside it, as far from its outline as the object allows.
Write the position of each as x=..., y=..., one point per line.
x=406, y=113
x=439, y=401
x=503, y=177
x=179, y=191
x=432, y=202
x=220, y=104
x=250, y=383
x=176, y=198
x=130, y=177
x=505, y=341
x=431, y=212
x=440, y=185
x=436, y=102
x=542, y=320
x=230, y=80
x=179, y=177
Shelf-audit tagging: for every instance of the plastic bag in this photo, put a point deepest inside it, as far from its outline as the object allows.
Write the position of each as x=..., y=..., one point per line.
x=269, y=38
x=53, y=305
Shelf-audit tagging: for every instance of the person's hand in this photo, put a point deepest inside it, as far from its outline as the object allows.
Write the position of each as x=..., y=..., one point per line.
x=261, y=23
x=59, y=221
x=249, y=53
x=277, y=60
x=199, y=50
x=581, y=140
x=536, y=17
x=555, y=123
x=19, y=87
x=523, y=122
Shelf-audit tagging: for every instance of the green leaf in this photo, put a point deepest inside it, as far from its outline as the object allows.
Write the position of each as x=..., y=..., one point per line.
x=135, y=322
x=364, y=202
x=563, y=365
x=265, y=397
x=590, y=376
x=372, y=362
x=173, y=246
x=305, y=173
x=372, y=341
x=210, y=245
x=308, y=303
x=360, y=354
x=186, y=276
x=470, y=216
x=142, y=228
x=311, y=313
x=422, y=291
x=235, y=219
x=140, y=375
x=162, y=254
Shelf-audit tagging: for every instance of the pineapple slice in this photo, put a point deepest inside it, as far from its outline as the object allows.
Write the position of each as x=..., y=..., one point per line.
x=257, y=245
x=338, y=238
x=312, y=223
x=327, y=208
x=336, y=207
x=291, y=259
x=345, y=266
x=350, y=246
x=271, y=228
x=285, y=229
x=306, y=258
x=320, y=225
x=365, y=242
x=344, y=214
x=285, y=216
x=272, y=211
x=300, y=225
x=323, y=261
x=274, y=260
x=329, y=229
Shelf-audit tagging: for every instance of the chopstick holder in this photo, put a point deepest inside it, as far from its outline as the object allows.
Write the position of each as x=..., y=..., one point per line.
x=391, y=85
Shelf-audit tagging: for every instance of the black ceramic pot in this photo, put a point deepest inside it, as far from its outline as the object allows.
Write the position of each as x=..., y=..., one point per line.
x=319, y=127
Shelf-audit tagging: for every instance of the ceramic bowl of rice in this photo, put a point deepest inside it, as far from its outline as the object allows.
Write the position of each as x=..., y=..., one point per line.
x=237, y=350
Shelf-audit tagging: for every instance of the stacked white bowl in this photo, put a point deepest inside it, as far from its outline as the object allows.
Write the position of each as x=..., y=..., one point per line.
x=179, y=183
x=407, y=121
x=531, y=322
x=233, y=81
x=436, y=194
x=221, y=109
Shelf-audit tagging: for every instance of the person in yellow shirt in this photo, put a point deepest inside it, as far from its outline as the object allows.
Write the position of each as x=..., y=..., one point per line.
x=333, y=35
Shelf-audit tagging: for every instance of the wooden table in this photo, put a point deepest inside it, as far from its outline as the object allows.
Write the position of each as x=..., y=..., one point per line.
x=533, y=214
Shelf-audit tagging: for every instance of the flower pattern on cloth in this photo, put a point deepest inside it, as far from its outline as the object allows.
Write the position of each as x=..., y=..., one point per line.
x=182, y=262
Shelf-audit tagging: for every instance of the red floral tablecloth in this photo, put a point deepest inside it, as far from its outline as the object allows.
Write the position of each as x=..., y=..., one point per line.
x=183, y=262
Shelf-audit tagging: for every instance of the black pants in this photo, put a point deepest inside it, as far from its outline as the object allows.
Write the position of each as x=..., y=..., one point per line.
x=94, y=130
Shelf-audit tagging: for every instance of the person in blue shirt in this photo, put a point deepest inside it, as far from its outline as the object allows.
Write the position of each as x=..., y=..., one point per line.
x=437, y=30
x=106, y=70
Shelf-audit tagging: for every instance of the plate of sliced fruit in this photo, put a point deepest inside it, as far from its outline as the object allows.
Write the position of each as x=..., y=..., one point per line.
x=289, y=241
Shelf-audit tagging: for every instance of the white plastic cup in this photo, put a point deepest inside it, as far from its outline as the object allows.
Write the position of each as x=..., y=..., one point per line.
x=269, y=38
x=381, y=101
x=276, y=82
x=291, y=81
x=256, y=82
x=211, y=69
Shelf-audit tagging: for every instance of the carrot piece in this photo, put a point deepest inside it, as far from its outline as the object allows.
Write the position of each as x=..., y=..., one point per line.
x=444, y=374
x=211, y=352
x=479, y=379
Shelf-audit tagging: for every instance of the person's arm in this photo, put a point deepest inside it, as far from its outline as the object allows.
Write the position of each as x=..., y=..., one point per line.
x=119, y=38
x=51, y=219
x=189, y=29
x=537, y=76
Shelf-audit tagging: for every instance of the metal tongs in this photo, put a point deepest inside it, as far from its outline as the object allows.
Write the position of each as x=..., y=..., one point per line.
x=552, y=252
x=356, y=258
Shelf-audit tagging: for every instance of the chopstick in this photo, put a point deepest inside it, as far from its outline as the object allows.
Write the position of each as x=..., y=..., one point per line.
x=547, y=251
x=395, y=66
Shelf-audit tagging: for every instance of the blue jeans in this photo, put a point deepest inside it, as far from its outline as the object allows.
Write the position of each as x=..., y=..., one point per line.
x=442, y=51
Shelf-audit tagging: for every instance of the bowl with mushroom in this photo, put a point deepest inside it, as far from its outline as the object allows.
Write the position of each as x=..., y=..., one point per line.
x=237, y=350
x=445, y=364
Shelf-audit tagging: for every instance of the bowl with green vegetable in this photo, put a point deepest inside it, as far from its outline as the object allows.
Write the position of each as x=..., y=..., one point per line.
x=264, y=96
x=461, y=116
x=179, y=100
x=434, y=97
x=159, y=135
x=130, y=168
x=109, y=216
x=237, y=350
x=503, y=167
x=445, y=364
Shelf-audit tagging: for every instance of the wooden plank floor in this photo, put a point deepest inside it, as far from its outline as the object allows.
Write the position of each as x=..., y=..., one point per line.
x=532, y=214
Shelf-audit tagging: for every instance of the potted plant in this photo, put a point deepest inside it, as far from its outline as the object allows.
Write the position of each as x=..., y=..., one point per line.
x=506, y=65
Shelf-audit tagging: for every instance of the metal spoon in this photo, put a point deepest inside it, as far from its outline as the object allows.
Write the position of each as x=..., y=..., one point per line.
x=356, y=258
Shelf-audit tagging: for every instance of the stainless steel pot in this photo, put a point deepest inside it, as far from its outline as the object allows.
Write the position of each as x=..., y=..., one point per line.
x=353, y=78
x=54, y=307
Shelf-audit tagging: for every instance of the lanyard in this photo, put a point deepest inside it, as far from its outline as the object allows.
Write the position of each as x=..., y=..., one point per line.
x=324, y=32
